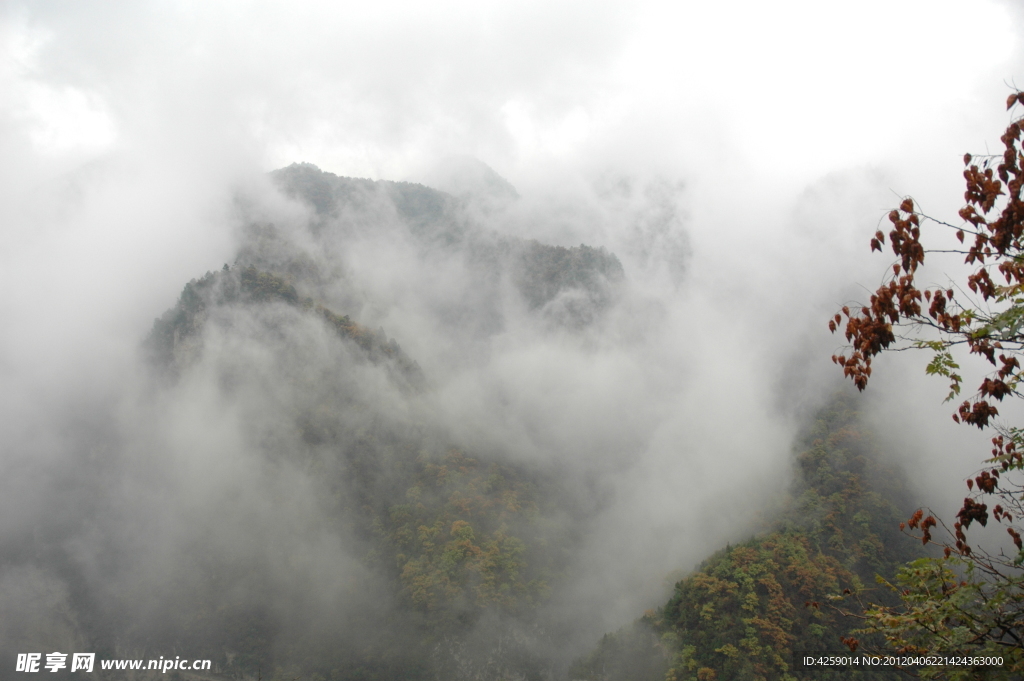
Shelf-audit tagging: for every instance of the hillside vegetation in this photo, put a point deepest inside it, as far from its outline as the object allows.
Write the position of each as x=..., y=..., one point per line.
x=746, y=610
x=298, y=498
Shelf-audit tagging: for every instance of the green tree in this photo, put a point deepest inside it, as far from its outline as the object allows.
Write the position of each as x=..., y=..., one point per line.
x=970, y=601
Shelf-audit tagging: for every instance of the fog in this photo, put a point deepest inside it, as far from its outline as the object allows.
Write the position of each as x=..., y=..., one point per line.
x=734, y=157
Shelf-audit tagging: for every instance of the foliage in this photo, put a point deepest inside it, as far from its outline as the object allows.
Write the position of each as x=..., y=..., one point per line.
x=749, y=608
x=947, y=609
x=847, y=498
x=744, y=613
x=970, y=601
x=453, y=540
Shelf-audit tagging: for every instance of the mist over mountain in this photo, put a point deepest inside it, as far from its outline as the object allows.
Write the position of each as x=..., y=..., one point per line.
x=472, y=180
x=521, y=374
x=322, y=465
x=564, y=285
x=349, y=530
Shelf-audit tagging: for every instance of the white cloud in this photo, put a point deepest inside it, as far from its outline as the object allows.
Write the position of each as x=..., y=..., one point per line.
x=66, y=119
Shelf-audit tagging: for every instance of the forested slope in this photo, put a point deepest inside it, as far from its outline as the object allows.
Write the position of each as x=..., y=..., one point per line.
x=453, y=551
x=746, y=610
x=297, y=497
x=462, y=549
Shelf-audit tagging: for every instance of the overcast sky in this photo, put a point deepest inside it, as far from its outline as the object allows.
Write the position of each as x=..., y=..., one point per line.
x=373, y=89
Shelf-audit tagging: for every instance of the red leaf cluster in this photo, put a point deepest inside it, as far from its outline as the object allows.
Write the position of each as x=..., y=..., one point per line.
x=986, y=316
x=987, y=481
x=994, y=215
x=970, y=512
x=1016, y=537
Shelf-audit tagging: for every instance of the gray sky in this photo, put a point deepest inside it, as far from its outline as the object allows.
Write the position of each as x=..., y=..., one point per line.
x=797, y=88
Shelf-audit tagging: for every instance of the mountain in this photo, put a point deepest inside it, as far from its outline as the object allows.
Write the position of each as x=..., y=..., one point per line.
x=452, y=551
x=319, y=470
x=569, y=287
